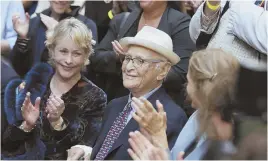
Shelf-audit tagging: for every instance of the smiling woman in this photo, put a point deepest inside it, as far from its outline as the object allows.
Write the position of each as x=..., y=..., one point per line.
x=69, y=48
x=71, y=106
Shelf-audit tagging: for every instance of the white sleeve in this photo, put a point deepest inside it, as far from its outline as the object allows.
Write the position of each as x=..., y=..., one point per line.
x=201, y=22
x=251, y=27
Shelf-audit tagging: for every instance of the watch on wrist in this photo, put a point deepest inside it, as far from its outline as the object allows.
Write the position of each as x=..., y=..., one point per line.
x=23, y=128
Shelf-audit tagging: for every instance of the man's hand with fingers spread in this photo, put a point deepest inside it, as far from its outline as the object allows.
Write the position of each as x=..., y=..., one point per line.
x=147, y=116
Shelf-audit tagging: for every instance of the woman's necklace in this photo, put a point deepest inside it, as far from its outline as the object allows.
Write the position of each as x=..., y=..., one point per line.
x=152, y=23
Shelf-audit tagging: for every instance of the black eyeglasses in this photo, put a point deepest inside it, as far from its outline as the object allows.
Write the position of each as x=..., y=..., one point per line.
x=138, y=62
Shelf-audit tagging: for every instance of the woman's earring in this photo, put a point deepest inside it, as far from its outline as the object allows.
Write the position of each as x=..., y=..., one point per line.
x=87, y=62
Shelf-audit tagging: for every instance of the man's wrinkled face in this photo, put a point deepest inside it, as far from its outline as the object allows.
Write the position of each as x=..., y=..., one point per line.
x=139, y=73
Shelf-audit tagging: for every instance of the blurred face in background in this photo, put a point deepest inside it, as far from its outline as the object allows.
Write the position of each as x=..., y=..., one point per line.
x=60, y=7
x=151, y=4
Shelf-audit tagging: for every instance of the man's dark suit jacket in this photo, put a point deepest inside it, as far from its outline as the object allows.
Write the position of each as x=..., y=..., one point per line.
x=176, y=118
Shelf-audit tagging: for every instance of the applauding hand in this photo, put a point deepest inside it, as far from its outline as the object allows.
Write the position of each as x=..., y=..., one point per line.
x=147, y=116
x=30, y=112
x=21, y=27
x=55, y=108
x=143, y=149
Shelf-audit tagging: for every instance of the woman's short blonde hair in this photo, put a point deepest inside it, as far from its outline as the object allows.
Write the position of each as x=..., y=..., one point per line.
x=76, y=30
x=214, y=74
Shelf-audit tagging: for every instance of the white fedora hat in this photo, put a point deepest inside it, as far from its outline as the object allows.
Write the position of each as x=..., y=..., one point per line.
x=154, y=39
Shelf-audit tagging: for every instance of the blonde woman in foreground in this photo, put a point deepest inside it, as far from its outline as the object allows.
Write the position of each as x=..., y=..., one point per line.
x=68, y=107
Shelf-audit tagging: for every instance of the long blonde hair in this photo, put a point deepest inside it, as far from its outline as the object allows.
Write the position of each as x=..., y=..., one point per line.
x=214, y=75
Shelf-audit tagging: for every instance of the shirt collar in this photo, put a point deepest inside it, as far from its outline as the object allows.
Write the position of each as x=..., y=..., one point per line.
x=146, y=96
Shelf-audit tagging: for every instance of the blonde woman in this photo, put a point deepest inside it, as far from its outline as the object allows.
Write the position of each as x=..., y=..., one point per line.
x=211, y=84
x=71, y=107
x=30, y=48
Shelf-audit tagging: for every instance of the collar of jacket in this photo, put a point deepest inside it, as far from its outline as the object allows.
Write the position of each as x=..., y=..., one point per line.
x=74, y=12
x=36, y=81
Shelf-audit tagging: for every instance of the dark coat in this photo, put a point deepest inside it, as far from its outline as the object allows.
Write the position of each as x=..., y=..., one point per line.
x=176, y=119
x=26, y=53
x=100, y=16
x=106, y=70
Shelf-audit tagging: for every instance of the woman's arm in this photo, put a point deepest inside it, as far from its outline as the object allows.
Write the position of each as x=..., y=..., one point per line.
x=21, y=55
x=13, y=138
x=104, y=60
x=205, y=19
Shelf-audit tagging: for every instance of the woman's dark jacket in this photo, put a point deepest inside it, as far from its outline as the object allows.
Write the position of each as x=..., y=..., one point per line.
x=27, y=52
x=84, y=106
x=106, y=70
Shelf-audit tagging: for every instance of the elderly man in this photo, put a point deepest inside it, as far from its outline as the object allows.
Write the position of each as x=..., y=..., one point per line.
x=147, y=62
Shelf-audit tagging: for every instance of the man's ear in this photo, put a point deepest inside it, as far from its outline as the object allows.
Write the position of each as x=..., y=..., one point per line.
x=163, y=71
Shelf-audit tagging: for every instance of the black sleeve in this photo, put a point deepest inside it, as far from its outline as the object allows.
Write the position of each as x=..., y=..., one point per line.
x=21, y=54
x=183, y=46
x=104, y=119
x=14, y=138
x=104, y=59
x=92, y=26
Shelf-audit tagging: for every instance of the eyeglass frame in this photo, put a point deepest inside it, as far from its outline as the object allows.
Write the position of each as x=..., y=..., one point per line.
x=144, y=61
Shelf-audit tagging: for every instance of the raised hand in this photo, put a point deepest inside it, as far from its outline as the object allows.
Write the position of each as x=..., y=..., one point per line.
x=147, y=116
x=143, y=149
x=49, y=22
x=20, y=26
x=30, y=112
x=117, y=48
x=55, y=108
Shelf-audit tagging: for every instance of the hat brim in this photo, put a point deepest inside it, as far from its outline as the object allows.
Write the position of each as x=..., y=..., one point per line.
x=170, y=55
